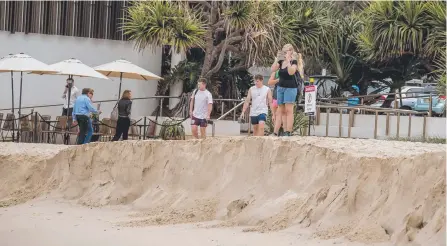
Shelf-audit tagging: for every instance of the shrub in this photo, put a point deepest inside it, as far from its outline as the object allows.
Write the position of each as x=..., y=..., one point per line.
x=172, y=130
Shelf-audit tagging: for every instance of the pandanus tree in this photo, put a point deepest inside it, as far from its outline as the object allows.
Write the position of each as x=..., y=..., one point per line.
x=394, y=36
x=151, y=24
x=247, y=29
x=436, y=41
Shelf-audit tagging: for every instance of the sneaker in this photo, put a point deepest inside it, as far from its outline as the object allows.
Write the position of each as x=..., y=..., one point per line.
x=273, y=135
x=286, y=134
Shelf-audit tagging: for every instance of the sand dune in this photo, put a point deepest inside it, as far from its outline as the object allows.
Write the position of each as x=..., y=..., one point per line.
x=361, y=191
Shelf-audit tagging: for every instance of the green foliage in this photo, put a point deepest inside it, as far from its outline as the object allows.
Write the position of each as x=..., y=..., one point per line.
x=157, y=23
x=393, y=28
x=433, y=140
x=185, y=71
x=300, y=123
x=172, y=130
x=304, y=22
x=359, y=42
x=441, y=87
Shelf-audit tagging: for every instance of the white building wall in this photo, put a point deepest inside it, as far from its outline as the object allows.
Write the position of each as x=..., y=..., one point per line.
x=47, y=89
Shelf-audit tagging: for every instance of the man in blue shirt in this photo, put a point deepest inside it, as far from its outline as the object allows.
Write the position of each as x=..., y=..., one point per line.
x=81, y=114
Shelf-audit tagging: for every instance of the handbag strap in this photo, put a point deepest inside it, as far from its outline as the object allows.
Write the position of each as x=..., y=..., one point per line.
x=114, y=107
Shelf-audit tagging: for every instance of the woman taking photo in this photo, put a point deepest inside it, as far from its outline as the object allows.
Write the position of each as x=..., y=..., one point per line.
x=287, y=87
x=273, y=82
x=123, y=123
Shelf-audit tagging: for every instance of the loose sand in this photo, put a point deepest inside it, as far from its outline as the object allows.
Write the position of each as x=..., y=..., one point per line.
x=228, y=191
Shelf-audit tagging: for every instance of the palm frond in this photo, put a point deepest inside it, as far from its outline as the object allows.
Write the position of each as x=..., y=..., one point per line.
x=436, y=40
x=394, y=28
x=305, y=22
x=157, y=23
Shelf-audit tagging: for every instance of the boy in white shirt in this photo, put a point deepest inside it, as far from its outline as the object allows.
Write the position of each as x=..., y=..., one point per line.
x=200, y=107
x=261, y=98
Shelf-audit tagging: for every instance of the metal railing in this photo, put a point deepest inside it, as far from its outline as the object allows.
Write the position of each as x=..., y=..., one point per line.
x=227, y=113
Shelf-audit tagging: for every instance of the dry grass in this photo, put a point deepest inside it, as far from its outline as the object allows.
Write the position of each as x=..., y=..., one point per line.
x=435, y=140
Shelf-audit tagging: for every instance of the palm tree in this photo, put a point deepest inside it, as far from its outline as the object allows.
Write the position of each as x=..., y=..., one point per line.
x=249, y=30
x=393, y=28
x=436, y=41
x=152, y=24
x=394, y=37
x=158, y=23
x=340, y=48
x=303, y=23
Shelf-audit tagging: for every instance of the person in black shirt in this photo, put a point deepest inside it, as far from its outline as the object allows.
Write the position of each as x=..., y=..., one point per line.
x=287, y=88
x=124, y=110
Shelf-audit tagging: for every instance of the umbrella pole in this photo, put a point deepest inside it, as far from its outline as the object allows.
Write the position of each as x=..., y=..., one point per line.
x=67, y=135
x=121, y=81
x=12, y=109
x=20, y=106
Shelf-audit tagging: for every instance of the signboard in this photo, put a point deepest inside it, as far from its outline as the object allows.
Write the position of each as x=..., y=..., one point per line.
x=310, y=99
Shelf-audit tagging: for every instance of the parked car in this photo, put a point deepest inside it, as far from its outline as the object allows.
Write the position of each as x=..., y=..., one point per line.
x=438, y=105
x=409, y=98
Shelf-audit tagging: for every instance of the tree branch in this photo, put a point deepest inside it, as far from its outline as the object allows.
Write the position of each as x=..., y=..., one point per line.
x=233, y=49
x=219, y=62
x=241, y=66
x=228, y=41
x=219, y=24
x=219, y=29
x=205, y=4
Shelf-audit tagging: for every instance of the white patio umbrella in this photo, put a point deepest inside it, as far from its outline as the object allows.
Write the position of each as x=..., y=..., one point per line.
x=74, y=67
x=125, y=69
x=22, y=63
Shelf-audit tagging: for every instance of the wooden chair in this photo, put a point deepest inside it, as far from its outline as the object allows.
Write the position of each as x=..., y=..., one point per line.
x=151, y=130
x=105, y=130
x=43, y=129
x=58, y=129
x=7, y=127
x=25, y=129
x=1, y=121
x=133, y=130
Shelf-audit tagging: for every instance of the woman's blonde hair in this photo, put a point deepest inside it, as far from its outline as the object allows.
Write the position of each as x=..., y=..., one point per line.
x=126, y=94
x=287, y=47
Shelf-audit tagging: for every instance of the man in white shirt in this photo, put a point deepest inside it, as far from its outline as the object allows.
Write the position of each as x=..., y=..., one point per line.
x=74, y=93
x=261, y=98
x=200, y=107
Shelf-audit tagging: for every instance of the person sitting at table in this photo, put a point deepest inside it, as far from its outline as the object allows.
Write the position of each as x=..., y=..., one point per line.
x=124, y=109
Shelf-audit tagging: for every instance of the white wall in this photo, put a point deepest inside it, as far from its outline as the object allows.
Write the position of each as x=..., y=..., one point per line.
x=222, y=127
x=47, y=89
x=364, y=126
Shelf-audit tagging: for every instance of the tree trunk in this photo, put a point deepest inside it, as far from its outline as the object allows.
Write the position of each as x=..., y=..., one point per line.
x=176, y=89
x=208, y=60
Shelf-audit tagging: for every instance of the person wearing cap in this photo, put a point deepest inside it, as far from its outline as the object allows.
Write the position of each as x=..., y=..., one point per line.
x=354, y=101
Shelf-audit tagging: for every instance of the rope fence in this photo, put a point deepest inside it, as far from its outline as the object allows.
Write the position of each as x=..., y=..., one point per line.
x=36, y=132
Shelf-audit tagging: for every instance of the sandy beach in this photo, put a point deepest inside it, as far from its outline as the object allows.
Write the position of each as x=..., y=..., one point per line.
x=229, y=191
